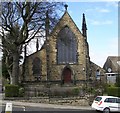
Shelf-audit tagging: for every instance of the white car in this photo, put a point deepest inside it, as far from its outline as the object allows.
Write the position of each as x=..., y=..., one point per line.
x=106, y=104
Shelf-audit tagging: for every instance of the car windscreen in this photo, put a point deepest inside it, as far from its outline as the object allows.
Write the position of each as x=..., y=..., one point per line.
x=98, y=99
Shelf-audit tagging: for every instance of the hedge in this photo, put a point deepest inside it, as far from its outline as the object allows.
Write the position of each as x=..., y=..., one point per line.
x=113, y=91
x=14, y=91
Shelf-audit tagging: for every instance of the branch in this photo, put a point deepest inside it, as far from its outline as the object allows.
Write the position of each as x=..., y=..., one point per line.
x=33, y=35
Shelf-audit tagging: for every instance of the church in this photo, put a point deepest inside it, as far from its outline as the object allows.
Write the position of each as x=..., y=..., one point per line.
x=64, y=57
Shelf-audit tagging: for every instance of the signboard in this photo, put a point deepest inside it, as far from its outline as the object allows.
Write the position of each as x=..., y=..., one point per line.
x=8, y=108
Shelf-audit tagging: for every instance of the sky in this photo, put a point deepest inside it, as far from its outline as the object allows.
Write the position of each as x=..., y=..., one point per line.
x=102, y=25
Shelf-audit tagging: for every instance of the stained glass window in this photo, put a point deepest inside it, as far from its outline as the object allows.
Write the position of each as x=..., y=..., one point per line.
x=66, y=46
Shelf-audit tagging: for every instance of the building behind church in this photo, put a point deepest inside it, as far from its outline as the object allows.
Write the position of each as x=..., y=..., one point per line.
x=112, y=69
x=63, y=60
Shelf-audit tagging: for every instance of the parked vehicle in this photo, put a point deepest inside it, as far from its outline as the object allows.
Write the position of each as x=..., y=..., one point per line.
x=106, y=104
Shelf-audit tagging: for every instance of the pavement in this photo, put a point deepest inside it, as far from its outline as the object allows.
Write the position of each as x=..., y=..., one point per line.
x=43, y=105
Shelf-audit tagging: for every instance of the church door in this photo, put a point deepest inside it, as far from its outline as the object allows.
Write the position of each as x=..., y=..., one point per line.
x=67, y=75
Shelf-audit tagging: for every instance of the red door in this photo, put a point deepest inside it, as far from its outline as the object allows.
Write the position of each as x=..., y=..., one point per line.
x=67, y=75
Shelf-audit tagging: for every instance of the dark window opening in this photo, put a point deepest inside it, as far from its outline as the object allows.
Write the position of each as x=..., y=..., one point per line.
x=36, y=68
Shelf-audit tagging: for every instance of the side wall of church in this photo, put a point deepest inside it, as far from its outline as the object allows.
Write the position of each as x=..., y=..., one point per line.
x=94, y=69
x=29, y=76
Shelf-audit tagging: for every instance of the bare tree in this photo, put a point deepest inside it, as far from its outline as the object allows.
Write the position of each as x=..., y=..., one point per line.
x=21, y=22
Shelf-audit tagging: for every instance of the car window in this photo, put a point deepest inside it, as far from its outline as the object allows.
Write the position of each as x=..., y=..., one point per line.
x=118, y=100
x=110, y=100
x=98, y=99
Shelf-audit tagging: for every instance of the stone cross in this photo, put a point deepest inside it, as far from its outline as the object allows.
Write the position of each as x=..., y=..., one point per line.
x=66, y=6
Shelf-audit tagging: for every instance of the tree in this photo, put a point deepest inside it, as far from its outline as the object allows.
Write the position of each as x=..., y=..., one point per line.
x=21, y=22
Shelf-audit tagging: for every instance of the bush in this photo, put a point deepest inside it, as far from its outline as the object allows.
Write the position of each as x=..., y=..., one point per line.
x=14, y=91
x=113, y=91
x=76, y=91
x=11, y=90
x=21, y=92
x=118, y=81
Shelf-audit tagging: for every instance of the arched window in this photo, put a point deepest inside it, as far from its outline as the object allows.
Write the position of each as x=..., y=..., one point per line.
x=36, y=67
x=98, y=74
x=66, y=47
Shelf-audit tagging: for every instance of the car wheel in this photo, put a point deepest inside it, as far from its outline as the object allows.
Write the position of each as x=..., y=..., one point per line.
x=106, y=110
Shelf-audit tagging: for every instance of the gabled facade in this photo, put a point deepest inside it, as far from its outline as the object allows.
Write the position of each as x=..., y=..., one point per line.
x=112, y=64
x=112, y=68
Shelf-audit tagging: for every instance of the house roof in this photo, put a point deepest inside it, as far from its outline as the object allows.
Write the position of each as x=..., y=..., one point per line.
x=112, y=62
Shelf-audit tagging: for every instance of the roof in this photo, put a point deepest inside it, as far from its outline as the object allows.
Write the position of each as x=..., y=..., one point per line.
x=66, y=14
x=112, y=62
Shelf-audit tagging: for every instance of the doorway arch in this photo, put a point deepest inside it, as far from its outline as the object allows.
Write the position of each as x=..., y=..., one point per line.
x=67, y=75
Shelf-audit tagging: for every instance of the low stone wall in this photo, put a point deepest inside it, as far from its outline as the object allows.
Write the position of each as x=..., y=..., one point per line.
x=76, y=101
x=70, y=101
x=56, y=94
x=53, y=90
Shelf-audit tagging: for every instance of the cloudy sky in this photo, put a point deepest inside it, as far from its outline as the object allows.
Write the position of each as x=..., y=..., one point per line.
x=102, y=24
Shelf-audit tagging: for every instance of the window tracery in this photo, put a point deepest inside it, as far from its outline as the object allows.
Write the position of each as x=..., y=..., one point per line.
x=66, y=46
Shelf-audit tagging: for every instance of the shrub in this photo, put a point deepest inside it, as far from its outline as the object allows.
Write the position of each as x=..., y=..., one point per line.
x=91, y=90
x=76, y=91
x=14, y=91
x=11, y=90
x=21, y=91
x=118, y=81
x=113, y=91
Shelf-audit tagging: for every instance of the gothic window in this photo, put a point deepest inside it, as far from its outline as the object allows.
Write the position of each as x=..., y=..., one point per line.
x=66, y=47
x=98, y=74
x=36, y=67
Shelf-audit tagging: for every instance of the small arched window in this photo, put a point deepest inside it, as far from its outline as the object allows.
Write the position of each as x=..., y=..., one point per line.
x=36, y=67
x=98, y=74
x=66, y=46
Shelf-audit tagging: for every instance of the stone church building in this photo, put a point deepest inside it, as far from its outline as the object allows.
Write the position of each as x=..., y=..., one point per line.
x=64, y=57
